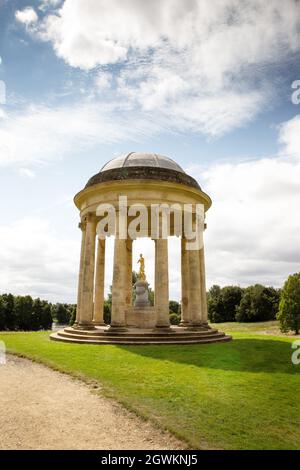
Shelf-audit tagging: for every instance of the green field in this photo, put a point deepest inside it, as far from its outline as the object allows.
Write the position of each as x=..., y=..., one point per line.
x=238, y=395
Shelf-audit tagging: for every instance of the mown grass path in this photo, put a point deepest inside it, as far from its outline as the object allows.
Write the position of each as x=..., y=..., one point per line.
x=238, y=395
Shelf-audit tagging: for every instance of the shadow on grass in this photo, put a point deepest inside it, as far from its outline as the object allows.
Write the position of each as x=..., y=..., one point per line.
x=241, y=354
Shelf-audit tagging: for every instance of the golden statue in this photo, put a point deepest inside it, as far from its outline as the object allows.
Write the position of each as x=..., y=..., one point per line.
x=141, y=274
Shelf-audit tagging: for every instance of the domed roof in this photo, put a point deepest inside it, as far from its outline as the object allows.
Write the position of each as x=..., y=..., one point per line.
x=142, y=159
x=142, y=166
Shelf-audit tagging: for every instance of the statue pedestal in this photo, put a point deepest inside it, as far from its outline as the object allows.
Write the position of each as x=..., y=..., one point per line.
x=142, y=294
x=144, y=317
x=141, y=314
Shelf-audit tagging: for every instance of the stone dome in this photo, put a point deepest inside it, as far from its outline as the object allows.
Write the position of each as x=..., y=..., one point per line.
x=142, y=166
x=142, y=159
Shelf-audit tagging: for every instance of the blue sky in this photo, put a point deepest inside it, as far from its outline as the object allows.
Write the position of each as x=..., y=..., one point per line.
x=206, y=83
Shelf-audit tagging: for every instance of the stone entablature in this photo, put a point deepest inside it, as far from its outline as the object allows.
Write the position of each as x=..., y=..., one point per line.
x=146, y=173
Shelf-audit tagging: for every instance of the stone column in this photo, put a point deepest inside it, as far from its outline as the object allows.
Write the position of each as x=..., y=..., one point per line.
x=185, y=284
x=82, y=226
x=195, y=291
x=162, y=283
x=86, y=302
x=203, y=286
x=99, y=284
x=128, y=294
x=120, y=270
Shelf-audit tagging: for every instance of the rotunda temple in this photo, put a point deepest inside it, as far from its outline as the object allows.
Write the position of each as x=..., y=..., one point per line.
x=133, y=196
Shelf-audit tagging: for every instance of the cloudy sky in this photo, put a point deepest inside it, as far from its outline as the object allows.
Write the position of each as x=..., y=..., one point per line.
x=206, y=82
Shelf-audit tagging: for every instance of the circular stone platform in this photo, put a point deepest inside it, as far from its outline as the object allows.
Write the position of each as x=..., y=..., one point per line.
x=174, y=335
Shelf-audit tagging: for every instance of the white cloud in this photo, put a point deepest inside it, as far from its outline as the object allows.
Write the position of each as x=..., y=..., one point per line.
x=289, y=137
x=186, y=61
x=26, y=16
x=253, y=224
x=36, y=134
x=27, y=173
x=41, y=134
x=37, y=259
x=48, y=4
x=103, y=80
x=199, y=30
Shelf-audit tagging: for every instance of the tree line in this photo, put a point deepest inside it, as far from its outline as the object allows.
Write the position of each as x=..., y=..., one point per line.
x=225, y=304
x=250, y=304
x=257, y=303
x=24, y=313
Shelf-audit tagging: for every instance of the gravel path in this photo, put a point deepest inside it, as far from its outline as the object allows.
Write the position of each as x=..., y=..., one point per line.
x=44, y=409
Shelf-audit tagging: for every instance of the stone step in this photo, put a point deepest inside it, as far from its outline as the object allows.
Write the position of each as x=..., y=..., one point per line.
x=140, y=341
x=178, y=337
x=149, y=333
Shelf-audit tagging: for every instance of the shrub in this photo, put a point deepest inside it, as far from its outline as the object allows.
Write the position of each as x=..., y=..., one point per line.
x=174, y=318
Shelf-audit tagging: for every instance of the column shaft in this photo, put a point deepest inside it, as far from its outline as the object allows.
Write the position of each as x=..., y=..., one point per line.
x=128, y=295
x=99, y=283
x=118, y=317
x=86, y=303
x=203, y=286
x=195, y=291
x=162, y=283
x=82, y=226
x=185, y=284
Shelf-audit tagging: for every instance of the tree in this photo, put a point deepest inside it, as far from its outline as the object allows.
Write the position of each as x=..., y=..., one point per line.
x=2, y=315
x=231, y=297
x=258, y=303
x=46, y=318
x=37, y=314
x=23, y=311
x=9, y=314
x=174, y=306
x=73, y=315
x=289, y=306
x=223, y=303
x=151, y=296
x=107, y=311
x=215, y=304
x=61, y=313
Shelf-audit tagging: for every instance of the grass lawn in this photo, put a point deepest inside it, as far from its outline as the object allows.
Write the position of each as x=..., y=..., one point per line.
x=238, y=395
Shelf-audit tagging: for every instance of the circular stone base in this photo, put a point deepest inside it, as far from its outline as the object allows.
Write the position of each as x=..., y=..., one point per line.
x=174, y=335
